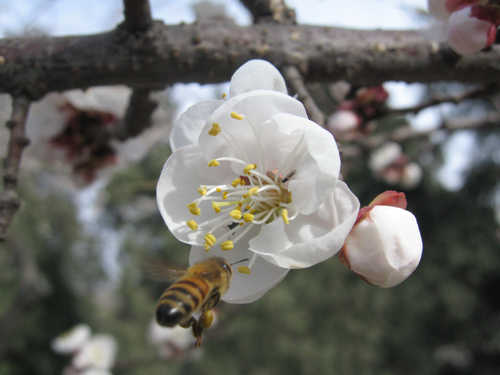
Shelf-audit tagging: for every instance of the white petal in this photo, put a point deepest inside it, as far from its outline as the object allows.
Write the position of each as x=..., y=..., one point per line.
x=386, y=247
x=384, y=156
x=316, y=162
x=46, y=118
x=256, y=75
x=309, y=239
x=183, y=173
x=188, y=128
x=257, y=106
x=73, y=340
x=99, y=352
x=243, y=288
x=467, y=34
x=107, y=99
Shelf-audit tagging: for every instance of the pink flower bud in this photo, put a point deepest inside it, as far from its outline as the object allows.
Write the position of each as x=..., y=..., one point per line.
x=470, y=29
x=384, y=247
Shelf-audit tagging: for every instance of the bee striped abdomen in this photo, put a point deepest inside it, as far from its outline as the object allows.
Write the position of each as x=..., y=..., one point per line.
x=180, y=300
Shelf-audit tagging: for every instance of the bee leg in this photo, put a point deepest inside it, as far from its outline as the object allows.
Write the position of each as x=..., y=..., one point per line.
x=204, y=322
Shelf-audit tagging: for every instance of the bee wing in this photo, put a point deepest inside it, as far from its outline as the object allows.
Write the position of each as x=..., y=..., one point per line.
x=162, y=273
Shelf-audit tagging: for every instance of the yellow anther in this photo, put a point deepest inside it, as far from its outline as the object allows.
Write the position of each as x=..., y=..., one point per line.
x=202, y=190
x=210, y=239
x=238, y=208
x=224, y=95
x=236, y=182
x=252, y=211
x=215, y=129
x=215, y=207
x=224, y=195
x=195, y=211
x=192, y=224
x=247, y=218
x=240, y=204
x=252, y=191
x=207, y=246
x=192, y=205
x=235, y=214
x=249, y=167
x=218, y=190
x=284, y=215
x=213, y=163
x=247, y=207
x=244, y=269
x=236, y=116
x=227, y=245
x=241, y=224
x=242, y=183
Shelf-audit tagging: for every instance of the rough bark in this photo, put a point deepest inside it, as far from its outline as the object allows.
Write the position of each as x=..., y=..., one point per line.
x=210, y=52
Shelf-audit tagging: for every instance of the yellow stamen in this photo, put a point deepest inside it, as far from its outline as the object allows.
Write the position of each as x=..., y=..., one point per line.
x=236, y=182
x=284, y=215
x=213, y=163
x=210, y=239
x=249, y=167
x=207, y=246
x=202, y=190
x=218, y=190
x=236, y=116
x=247, y=207
x=240, y=204
x=192, y=224
x=235, y=214
x=195, y=211
x=252, y=191
x=227, y=245
x=224, y=95
x=240, y=224
x=244, y=269
x=192, y=205
x=224, y=195
x=242, y=183
x=215, y=207
x=215, y=129
x=247, y=218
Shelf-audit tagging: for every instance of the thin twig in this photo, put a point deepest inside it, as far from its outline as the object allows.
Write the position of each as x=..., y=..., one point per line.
x=456, y=99
x=406, y=133
x=137, y=15
x=9, y=200
x=296, y=83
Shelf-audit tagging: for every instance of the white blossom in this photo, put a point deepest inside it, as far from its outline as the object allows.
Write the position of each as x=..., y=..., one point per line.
x=72, y=340
x=260, y=179
x=170, y=341
x=99, y=353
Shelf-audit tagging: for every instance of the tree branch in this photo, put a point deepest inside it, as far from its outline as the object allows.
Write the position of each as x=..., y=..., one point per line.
x=265, y=11
x=137, y=15
x=9, y=200
x=295, y=82
x=139, y=111
x=210, y=52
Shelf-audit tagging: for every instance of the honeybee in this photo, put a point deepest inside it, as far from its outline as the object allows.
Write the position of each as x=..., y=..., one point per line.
x=199, y=288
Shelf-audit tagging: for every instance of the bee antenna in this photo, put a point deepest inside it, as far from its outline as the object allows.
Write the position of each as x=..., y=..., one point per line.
x=243, y=260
